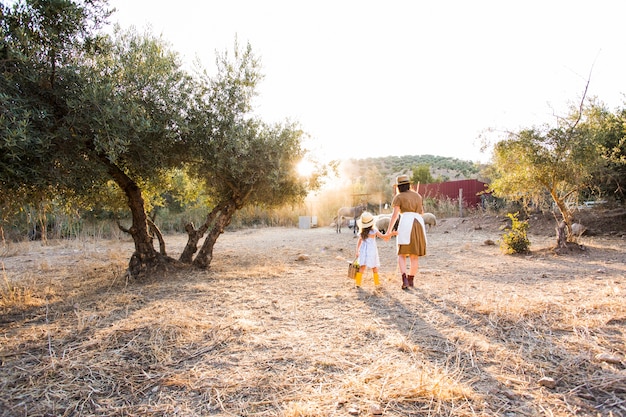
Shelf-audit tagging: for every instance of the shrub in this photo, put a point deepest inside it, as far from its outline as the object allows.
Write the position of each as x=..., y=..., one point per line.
x=515, y=240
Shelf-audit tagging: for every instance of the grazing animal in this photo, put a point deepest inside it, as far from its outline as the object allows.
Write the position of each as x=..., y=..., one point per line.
x=382, y=222
x=578, y=229
x=349, y=213
x=429, y=219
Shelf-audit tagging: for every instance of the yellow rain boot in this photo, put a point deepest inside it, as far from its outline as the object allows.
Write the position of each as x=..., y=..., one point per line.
x=358, y=277
x=376, y=279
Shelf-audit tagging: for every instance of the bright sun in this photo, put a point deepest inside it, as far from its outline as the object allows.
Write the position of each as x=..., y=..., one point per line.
x=305, y=168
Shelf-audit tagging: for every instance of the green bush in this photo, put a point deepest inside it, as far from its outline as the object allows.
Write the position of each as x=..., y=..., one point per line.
x=515, y=240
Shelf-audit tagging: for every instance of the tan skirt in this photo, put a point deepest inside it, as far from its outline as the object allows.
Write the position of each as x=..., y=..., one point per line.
x=418, y=242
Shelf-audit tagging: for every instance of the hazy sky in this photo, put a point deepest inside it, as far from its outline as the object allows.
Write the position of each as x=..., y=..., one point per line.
x=368, y=79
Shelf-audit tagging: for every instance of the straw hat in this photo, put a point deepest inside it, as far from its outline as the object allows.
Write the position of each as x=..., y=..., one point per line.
x=366, y=220
x=403, y=179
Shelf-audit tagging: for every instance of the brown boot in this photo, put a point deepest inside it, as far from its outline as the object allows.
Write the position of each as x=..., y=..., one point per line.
x=405, y=282
x=410, y=280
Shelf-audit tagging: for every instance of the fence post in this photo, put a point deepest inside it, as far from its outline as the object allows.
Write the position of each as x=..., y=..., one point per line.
x=460, y=202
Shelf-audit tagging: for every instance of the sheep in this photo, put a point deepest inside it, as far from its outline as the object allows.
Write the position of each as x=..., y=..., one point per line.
x=578, y=229
x=429, y=219
x=382, y=222
x=575, y=231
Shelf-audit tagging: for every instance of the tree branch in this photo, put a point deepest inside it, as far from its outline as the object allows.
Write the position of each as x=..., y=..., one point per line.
x=154, y=229
x=582, y=100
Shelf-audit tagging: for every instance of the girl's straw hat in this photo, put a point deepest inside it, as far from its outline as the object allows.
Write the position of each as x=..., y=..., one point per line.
x=366, y=220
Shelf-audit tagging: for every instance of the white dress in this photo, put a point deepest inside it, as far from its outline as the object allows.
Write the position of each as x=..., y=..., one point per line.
x=368, y=252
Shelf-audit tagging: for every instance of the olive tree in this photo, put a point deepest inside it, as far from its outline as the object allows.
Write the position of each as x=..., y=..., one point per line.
x=149, y=118
x=131, y=118
x=547, y=164
x=101, y=110
x=240, y=159
x=421, y=174
x=608, y=130
x=40, y=43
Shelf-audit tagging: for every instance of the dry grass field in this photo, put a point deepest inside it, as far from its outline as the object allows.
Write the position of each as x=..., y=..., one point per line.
x=275, y=328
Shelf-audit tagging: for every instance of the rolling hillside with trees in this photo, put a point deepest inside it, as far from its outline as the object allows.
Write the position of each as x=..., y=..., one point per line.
x=441, y=168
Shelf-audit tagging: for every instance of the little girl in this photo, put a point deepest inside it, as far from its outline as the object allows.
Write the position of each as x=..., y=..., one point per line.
x=366, y=248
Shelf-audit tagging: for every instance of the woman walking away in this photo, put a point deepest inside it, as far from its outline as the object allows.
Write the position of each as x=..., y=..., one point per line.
x=411, y=240
x=367, y=249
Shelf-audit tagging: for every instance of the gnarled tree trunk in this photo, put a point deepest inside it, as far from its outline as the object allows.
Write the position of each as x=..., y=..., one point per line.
x=194, y=235
x=564, y=227
x=154, y=229
x=205, y=255
x=145, y=259
x=561, y=235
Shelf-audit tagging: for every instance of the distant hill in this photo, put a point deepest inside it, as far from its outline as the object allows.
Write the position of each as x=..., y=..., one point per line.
x=441, y=168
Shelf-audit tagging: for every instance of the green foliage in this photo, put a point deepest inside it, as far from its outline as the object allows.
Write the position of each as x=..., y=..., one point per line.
x=39, y=48
x=40, y=42
x=549, y=164
x=515, y=240
x=608, y=130
x=422, y=175
x=74, y=103
x=242, y=160
x=131, y=111
x=390, y=166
